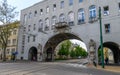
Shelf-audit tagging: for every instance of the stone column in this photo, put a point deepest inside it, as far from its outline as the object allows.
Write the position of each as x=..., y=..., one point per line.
x=92, y=52
x=39, y=54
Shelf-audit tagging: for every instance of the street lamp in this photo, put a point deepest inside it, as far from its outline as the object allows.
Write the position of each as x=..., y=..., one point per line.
x=101, y=38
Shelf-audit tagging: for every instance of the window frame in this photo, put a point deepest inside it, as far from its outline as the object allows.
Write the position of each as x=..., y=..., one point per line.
x=71, y=2
x=107, y=28
x=62, y=4
x=81, y=15
x=106, y=10
x=92, y=11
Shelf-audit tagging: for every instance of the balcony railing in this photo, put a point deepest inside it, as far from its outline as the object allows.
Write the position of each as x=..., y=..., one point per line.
x=81, y=21
x=61, y=25
x=92, y=19
x=71, y=23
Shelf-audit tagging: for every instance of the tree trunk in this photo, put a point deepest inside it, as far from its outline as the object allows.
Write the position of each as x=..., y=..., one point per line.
x=4, y=54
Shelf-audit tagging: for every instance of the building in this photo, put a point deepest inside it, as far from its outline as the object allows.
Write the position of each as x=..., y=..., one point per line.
x=12, y=42
x=47, y=23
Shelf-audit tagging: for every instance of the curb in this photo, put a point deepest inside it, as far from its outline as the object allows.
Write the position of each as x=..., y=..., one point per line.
x=105, y=69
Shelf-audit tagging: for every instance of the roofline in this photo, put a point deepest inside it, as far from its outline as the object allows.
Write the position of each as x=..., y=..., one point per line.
x=34, y=4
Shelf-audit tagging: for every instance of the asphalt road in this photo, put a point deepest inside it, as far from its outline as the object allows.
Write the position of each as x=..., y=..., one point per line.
x=49, y=68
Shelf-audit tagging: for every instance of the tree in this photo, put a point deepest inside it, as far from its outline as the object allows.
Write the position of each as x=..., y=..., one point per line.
x=72, y=54
x=7, y=15
x=64, y=48
x=79, y=51
x=7, y=12
x=5, y=32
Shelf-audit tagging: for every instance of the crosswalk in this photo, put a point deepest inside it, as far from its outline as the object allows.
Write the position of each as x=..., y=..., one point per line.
x=77, y=65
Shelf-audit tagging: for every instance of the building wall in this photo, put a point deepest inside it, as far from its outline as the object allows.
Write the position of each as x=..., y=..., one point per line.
x=85, y=31
x=12, y=42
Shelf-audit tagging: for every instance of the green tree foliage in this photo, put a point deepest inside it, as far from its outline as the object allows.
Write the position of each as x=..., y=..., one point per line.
x=79, y=51
x=64, y=48
x=72, y=54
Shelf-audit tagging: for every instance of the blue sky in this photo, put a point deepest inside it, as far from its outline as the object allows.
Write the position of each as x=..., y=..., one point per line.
x=21, y=4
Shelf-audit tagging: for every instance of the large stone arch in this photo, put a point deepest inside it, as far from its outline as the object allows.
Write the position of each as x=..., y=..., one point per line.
x=115, y=49
x=54, y=41
x=32, y=54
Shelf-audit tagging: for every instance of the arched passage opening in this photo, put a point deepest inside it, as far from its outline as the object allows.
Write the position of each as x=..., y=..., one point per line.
x=54, y=41
x=32, y=55
x=112, y=52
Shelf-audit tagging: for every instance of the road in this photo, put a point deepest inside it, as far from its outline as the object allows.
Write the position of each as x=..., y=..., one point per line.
x=49, y=68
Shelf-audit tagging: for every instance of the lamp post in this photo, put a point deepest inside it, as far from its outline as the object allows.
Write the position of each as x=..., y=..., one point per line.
x=101, y=38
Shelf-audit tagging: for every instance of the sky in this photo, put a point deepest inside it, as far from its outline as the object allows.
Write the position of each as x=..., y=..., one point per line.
x=21, y=4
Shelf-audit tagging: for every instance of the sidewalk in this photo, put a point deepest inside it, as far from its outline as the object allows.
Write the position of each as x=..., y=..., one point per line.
x=106, y=68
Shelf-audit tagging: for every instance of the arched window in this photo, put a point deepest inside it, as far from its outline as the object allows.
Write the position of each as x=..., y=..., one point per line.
x=92, y=12
x=47, y=24
x=40, y=25
x=54, y=21
x=71, y=18
x=62, y=18
x=30, y=15
x=81, y=16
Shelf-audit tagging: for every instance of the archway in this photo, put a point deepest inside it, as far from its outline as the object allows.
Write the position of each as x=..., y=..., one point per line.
x=54, y=41
x=114, y=48
x=32, y=55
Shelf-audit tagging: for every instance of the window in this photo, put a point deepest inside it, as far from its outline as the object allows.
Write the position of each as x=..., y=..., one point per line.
x=107, y=28
x=14, y=32
x=54, y=21
x=25, y=18
x=41, y=11
x=47, y=24
x=62, y=4
x=106, y=10
x=30, y=15
x=13, y=50
x=71, y=18
x=62, y=18
x=119, y=6
x=40, y=25
x=81, y=16
x=54, y=7
x=8, y=51
x=29, y=27
x=28, y=38
x=70, y=2
x=47, y=9
x=34, y=38
x=9, y=42
x=35, y=13
x=80, y=1
x=14, y=41
x=34, y=27
x=92, y=12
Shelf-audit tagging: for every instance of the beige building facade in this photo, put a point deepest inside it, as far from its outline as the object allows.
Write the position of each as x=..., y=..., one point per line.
x=12, y=42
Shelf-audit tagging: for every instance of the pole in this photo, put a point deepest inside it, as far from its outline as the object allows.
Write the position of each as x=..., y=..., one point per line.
x=101, y=37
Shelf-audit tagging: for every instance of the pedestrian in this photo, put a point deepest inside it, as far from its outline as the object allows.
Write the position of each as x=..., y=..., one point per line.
x=106, y=60
x=94, y=62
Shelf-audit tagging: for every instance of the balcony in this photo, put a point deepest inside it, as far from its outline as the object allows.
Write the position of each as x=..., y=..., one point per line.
x=61, y=25
x=92, y=19
x=71, y=23
x=81, y=21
